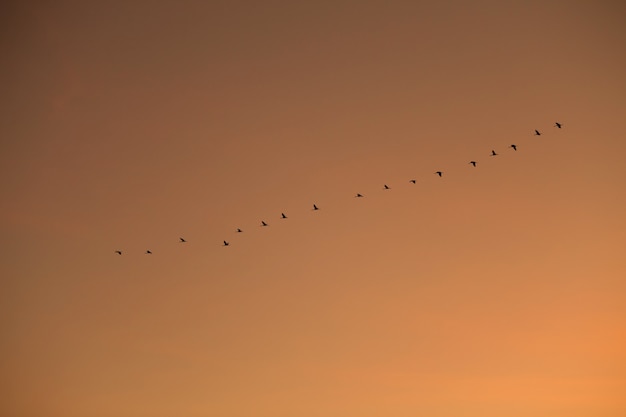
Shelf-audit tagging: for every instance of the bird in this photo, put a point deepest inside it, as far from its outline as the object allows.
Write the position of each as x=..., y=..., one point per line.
x=514, y=147
x=558, y=125
x=239, y=230
x=413, y=181
x=439, y=173
x=473, y=163
x=148, y=252
x=226, y=243
x=315, y=207
x=387, y=187
x=493, y=153
x=119, y=252
x=282, y=216
x=537, y=133
x=263, y=223
x=182, y=240
x=359, y=195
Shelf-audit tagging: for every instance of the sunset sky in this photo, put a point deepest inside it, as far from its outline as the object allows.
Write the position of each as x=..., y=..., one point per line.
x=494, y=291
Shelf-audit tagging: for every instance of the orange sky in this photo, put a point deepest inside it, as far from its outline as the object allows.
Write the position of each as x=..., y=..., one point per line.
x=493, y=291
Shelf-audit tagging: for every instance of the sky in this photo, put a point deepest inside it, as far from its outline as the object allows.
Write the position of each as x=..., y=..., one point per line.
x=495, y=290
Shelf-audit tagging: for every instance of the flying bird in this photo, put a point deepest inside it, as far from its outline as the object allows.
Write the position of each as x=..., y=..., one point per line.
x=558, y=125
x=537, y=133
x=182, y=240
x=514, y=147
x=119, y=252
x=226, y=243
x=359, y=195
x=473, y=163
x=413, y=181
x=148, y=252
x=493, y=153
x=282, y=216
x=387, y=187
x=263, y=223
x=239, y=230
x=315, y=207
x=439, y=173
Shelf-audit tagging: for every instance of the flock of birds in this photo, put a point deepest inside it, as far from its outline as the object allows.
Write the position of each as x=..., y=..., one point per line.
x=385, y=187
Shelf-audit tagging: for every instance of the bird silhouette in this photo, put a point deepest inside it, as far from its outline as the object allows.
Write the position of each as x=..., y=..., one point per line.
x=514, y=147
x=239, y=230
x=182, y=240
x=148, y=252
x=387, y=187
x=263, y=223
x=558, y=125
x=473, y=163
x=359, y=195
x=119, y=252
x=413, y=181
x=315, y=207
x=439, y=173
x=226, y=243
x=537, y=133
x=282, y=216
x=493, y=153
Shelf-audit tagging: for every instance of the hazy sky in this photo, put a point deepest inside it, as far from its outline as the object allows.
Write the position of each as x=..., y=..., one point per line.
x=492, y=291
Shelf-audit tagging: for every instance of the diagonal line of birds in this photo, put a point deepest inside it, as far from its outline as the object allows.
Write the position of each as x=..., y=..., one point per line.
x=386, y=187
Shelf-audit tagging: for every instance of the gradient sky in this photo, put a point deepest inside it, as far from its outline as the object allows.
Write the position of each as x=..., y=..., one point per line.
x=493, y=291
